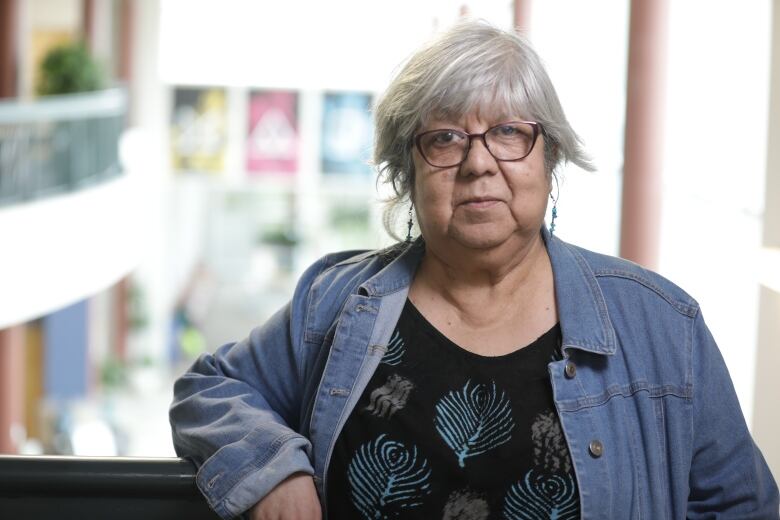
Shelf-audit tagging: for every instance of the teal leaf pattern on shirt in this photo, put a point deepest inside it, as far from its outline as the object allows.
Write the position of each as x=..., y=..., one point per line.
x=474, y=420
x=541, y=495
x=395, y=350
x=386, y=478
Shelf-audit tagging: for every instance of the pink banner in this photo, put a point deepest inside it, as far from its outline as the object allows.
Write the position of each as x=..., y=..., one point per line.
x=272, y=143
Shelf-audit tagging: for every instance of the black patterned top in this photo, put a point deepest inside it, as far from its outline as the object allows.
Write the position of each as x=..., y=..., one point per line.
x=441, y=432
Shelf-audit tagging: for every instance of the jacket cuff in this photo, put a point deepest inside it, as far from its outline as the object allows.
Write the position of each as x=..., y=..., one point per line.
x=239, y=475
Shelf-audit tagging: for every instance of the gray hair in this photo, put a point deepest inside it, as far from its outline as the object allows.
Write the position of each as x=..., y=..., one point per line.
x=472, y=65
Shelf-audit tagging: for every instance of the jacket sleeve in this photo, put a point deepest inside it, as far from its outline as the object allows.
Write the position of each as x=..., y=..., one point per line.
x=729, y=477
x=235, y=413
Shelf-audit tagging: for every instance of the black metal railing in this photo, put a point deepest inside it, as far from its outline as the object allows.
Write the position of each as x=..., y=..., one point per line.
x=59, y=143
x=116, y=488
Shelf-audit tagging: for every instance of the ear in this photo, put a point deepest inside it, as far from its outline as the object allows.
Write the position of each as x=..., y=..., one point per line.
x=412, y=192
x=550, y=180
x=552, y=154
x=553, y=180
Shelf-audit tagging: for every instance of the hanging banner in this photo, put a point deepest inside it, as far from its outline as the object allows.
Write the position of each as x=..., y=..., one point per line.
x=347, y=133
x=272, y=143
x=199, y=129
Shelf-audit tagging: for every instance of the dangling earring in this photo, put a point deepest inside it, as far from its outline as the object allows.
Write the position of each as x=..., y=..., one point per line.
x=409, y=223
x=555, y=206
x=554, y=214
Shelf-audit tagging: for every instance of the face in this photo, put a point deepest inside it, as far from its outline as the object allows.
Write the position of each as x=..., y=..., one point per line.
x=482, y=203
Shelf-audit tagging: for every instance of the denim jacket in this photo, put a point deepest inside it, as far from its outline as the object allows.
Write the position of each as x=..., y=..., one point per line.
x=644, y=398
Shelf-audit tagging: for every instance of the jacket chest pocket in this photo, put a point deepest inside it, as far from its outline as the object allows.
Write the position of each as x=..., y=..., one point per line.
x=618, y=421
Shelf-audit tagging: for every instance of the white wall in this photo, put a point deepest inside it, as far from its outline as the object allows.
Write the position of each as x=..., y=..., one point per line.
x=766, y=416
x=715, y=168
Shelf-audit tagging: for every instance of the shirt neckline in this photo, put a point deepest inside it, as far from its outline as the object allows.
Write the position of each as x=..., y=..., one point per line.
x=526, y=351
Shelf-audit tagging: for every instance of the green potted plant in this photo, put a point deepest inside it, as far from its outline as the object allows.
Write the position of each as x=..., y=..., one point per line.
x=67, y=69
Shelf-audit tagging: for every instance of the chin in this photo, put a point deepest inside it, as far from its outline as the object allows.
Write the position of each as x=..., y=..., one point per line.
x=479, y=238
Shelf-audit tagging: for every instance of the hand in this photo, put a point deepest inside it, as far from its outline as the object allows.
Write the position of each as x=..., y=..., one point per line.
x=295, y=498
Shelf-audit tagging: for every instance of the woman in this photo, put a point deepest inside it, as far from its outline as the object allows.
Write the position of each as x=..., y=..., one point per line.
x=486, y=369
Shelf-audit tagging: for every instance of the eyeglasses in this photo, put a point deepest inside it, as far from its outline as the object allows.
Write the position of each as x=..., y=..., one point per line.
x=445, y=148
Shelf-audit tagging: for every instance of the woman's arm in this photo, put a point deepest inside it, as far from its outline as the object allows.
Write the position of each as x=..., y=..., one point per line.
x=235, y=413
x=728, y=474
x=294, y=499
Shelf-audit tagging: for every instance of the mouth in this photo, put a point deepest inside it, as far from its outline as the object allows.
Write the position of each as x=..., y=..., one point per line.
x=479, y=202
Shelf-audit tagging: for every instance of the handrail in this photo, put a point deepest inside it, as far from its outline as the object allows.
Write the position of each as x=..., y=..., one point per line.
x=100, y=103
x=58, y=144
x=93, y=487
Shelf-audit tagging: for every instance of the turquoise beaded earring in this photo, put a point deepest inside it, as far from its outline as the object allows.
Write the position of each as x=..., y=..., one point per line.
x=554, y=214
x=555, y=206
x=409, y=223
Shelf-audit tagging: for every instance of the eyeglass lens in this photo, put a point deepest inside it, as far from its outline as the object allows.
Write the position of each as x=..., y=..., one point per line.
x=506, y=142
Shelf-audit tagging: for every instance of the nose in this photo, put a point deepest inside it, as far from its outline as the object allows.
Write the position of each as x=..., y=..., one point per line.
x=479, y=160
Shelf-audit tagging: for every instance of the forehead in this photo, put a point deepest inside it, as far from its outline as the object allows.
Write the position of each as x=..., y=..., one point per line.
x=484, y=111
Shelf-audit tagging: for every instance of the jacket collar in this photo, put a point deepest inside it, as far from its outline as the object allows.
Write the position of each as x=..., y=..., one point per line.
x=402, y=262
x=582, y=310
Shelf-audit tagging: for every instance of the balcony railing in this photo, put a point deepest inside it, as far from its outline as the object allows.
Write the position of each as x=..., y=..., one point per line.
x=100, y=487
x=59, y=143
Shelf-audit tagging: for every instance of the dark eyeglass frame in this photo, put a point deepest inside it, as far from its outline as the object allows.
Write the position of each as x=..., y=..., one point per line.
x=537, y=130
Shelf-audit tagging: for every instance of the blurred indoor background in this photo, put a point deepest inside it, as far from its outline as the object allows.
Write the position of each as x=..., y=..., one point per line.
x=169, y=167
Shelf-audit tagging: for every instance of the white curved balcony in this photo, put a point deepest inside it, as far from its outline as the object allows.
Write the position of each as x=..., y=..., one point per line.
x=61, y=249
x=69, y=223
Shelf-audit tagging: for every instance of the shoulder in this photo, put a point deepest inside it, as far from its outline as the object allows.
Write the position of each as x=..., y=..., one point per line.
x=325, y=286
x=623, y=279
x=347, y=269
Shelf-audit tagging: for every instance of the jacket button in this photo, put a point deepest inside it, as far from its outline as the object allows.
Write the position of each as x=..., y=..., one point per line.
x=596, y=449
x=570, y=370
